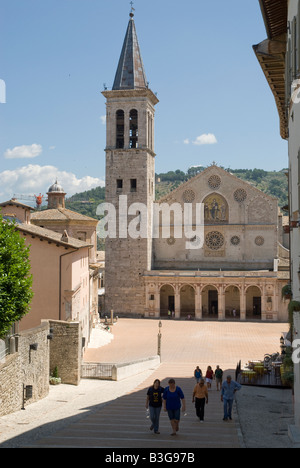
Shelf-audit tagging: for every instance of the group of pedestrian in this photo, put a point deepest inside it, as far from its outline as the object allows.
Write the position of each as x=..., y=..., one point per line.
x=172, y=398
x=210, y=376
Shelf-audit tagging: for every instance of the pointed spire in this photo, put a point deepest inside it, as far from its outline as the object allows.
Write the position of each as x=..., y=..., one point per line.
x=130, y=73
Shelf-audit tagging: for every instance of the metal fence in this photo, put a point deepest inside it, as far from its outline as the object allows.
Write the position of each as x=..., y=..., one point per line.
x=91, y=370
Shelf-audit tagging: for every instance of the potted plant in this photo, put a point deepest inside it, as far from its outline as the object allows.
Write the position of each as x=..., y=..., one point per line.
x=286, y=292
x=54, y=378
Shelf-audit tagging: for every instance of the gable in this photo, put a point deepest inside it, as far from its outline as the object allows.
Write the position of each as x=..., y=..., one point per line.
x=226, y=197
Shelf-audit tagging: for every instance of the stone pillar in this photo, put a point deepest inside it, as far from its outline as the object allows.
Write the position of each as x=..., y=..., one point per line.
x=243, y=302
x=198, y=303
x=126, y=128
x=263, y=303
x=177, y=302
x=221, y=303
x=157, y=302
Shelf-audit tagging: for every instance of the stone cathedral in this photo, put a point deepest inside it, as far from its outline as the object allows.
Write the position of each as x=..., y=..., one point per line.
x=240, y=269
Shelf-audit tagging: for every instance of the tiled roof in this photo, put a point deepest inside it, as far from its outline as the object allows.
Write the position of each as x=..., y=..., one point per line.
x=130, y=73
x=14, y=202
x=60, y=214
x=51, y=236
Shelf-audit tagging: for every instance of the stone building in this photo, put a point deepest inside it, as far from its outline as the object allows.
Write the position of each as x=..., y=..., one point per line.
x=279, y=58
x=62, y=244
x=233, y=270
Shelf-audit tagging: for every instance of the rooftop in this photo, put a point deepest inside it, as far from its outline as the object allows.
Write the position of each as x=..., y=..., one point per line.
x=130, y=73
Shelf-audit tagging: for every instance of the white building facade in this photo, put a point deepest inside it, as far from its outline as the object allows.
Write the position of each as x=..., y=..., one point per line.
x=279, y=57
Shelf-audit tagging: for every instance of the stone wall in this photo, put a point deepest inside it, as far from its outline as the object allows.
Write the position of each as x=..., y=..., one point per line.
x=66, y=351
x=25, y=367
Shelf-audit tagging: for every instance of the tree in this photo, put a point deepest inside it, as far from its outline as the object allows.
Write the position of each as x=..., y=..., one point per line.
x=15, y=279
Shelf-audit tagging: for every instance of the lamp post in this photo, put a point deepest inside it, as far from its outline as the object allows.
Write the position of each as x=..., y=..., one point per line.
x=159, y=339
x=282, y=346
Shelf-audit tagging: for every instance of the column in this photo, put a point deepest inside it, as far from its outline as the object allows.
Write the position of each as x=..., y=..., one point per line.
x=276, y=302
x=243, y=302
x=263, y=302
x=221, y=303
x=177, y=301
x=126, y=128
x=157, y=301
x=198, y=303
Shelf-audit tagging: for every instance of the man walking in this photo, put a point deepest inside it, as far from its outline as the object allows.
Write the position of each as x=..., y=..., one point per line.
x=201, y=395
x=229, y=388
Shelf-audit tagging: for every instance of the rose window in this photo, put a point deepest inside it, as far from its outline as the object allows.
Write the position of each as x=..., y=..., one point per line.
x=214, y=182
x=235, y=240
x=240, y=195
x=188, y=196
x=259, y=241
x=214, y=240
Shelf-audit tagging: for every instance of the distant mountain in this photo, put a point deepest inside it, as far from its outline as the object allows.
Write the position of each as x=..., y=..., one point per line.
x=271, y=182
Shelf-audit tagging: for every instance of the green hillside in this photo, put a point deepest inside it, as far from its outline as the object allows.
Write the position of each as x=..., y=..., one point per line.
x=272, y=183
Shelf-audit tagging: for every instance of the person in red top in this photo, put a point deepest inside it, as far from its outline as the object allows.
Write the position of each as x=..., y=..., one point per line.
x=209, y=377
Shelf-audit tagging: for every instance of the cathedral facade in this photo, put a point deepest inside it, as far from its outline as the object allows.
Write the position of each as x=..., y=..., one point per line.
x=232, y=270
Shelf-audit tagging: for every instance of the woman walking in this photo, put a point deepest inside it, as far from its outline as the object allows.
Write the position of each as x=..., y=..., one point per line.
x=198, y=374
x=209, y=377
x=154, y=404
x=201, y=395
x=173, y=397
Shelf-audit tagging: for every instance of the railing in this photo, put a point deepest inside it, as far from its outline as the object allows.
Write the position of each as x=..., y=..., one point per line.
x=91, y=370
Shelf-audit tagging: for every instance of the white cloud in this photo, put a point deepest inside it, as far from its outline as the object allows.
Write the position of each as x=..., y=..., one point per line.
x=206, y=139
x=24, y=151
x=186, y=141
x=103, y=119
x=34, y=179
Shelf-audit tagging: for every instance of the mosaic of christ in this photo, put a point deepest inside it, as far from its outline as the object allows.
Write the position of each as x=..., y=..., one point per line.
x=215, y=209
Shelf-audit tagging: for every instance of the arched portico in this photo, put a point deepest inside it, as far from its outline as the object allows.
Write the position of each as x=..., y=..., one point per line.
x=210, y=301
x=187, y=301
x=232, y=301
x=167, y=300
x=253, y=302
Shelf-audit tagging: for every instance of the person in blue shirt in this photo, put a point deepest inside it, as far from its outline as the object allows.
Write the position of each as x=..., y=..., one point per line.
x=229, y=388
x=173, y=396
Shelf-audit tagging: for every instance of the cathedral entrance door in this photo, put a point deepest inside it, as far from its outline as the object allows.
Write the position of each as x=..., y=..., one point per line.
x=257, y=306
x=172, y=303
x=213, y=302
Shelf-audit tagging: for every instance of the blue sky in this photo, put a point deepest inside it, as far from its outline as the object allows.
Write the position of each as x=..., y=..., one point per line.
x=55, y=56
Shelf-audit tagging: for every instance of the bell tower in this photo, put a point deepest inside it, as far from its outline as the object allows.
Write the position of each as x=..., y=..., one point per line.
x=130, y=177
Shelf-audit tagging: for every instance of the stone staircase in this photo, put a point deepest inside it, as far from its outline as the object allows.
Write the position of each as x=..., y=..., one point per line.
x=123, y=424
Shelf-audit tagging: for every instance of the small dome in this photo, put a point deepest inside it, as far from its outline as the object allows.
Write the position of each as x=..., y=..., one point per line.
x=56, y=188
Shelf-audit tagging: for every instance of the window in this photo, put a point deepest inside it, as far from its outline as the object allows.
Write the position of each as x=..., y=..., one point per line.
x=120, y=129
x=133, y=185
x=119, y=185
x=133, y=129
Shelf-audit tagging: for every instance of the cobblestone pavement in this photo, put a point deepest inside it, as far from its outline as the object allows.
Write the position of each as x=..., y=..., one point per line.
x=195, y=343
x=112, y=414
